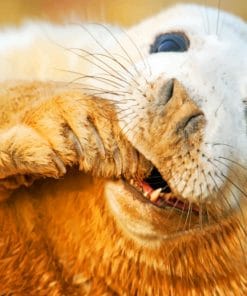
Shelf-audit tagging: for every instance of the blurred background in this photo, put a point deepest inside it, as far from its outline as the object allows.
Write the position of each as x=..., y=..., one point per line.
x=124, y=12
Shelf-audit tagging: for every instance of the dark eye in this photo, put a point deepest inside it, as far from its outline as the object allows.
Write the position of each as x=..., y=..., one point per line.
x=170, y=42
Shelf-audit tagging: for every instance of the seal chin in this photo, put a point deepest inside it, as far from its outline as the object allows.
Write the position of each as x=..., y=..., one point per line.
x=149, y=211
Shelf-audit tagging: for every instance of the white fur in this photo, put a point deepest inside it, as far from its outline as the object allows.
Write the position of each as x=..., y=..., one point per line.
x=43, y=51
x=213, y=71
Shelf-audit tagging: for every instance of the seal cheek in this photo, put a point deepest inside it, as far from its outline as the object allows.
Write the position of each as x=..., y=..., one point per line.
x=131, y=215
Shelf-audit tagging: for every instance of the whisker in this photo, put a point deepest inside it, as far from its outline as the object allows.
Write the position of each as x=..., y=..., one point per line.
x=104, y=48
x=125, y=115
x=218, y=17
x=128, y=125
x=106, y=82
x=202, y=11
x=84, y=76
x=230, y=208
x=102, y=93
x=100, y=67
x=139, y=52
x=137, y=84
x=218, y=188
x=89, y=88
x=171, y=211
x=96, y=56
x=187, y=216
x=221, y=24
x=236, y=200
x=125, y=131
x=121, y=46
x=228, y=179
x=236, y=186
x=174, y=206
x=219, y=144
x=209, y=216
x=118, y=77
x=207, y=16
x=231, y=169
x=186, y=181
x=233, y=161
x=200, y=208
x=124, y=110
x=99, y=93
x=180, y=218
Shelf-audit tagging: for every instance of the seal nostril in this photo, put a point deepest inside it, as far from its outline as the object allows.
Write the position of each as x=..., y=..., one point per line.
x=193, y=123
x=190, y=124
x=168, y=90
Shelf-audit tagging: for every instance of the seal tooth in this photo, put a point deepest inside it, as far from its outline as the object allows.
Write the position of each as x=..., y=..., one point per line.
x=146, y=194
x=155, y=194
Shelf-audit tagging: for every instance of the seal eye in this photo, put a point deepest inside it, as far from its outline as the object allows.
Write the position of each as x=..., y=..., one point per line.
x=170, y=42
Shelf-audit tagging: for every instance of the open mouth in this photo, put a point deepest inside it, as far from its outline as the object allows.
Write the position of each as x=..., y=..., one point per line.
x=156, y=191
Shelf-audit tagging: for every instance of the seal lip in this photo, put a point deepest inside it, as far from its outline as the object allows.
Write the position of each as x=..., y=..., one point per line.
x=156, y=191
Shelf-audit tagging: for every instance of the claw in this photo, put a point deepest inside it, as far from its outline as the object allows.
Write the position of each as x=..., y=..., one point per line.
x=118, y=161
x=79, y=150
x=60, y=165
x=25, y=180
x=98, y=140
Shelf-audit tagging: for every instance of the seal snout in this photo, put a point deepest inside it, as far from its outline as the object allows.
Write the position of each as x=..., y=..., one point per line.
x=174, y=104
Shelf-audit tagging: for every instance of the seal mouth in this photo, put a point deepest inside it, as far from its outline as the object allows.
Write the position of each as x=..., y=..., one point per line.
x=155, y=189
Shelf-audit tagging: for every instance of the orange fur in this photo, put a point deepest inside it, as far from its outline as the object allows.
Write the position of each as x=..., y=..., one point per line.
x=61, y=237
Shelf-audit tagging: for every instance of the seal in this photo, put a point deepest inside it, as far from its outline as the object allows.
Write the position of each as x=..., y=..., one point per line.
x=157, y=125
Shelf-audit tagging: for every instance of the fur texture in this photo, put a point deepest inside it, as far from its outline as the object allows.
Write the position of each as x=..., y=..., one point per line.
x=126, y=112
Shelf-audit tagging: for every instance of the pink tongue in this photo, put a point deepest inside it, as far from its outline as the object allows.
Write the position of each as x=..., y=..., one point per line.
x=146, y=187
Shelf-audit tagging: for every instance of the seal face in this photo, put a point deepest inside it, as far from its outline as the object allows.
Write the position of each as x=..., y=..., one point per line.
x=184, y=110
x=169, y=216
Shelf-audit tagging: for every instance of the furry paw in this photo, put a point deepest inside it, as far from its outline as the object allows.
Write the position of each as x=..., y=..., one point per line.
x=24, y=152
x=64, y=129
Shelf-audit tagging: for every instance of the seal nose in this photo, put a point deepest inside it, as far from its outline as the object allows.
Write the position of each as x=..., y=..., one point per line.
x=182, y=113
